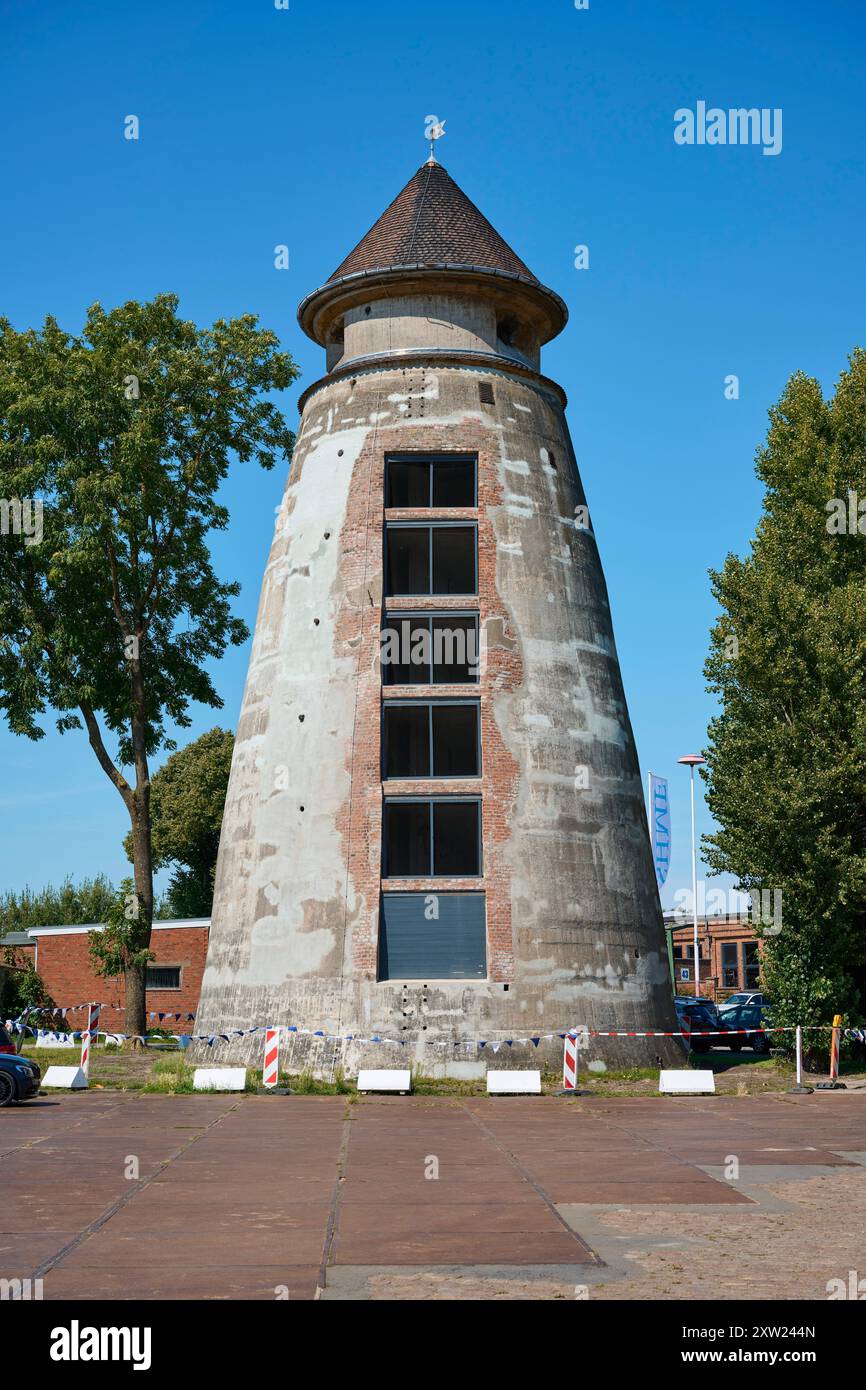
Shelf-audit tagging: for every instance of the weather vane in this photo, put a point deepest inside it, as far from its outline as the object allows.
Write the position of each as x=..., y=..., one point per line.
x=434, y=129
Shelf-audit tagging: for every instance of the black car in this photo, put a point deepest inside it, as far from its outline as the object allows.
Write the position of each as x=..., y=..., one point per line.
x=750, y=1017
x=702, y=1016
x=19, y=1079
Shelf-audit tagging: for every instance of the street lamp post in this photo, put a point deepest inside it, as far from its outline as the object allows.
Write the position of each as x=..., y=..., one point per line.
x=691, y=761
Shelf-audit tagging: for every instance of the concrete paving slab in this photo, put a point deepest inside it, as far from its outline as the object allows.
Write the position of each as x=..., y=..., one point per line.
x=181, y=1282
x=234, y=1191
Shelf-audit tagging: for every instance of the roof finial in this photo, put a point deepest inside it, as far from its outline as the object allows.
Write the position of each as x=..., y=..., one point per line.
x=434, y=129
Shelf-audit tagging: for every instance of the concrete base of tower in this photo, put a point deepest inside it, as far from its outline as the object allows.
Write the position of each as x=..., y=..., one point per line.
x=436, y=1030
x=323, y=1059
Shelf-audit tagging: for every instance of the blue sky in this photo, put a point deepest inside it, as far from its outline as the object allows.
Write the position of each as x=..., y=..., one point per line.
x=261, y=126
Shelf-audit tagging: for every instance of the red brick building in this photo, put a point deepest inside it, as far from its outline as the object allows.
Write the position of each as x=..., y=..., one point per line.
x=729, y=954
x=61, y=956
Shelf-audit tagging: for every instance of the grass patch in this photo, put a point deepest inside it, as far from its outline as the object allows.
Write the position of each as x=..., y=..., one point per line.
x=627, y=1074
x=170, y=1075
x=305, y=1084
x=447, y=1086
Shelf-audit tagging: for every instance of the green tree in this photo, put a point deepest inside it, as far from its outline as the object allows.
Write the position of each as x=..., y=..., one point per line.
x=119, y=949
x=187, y=797
x=786, y=763
x=24, y=989
x=70, y=905
x=110, y=608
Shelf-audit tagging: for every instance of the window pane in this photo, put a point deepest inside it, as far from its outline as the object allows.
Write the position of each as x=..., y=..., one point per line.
x=163, y=977
x=453, y=560
x=405, y=650
x=752, y=964
x=455, y=652
x=730, y=965
x=407, y=741
x=407, y=563
x=454, y=483
x=407, y=839
x=455, y=838
x=455, y=741
x=408, y=483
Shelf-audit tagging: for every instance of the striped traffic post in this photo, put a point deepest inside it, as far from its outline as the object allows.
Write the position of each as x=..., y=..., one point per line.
x=834, y=1084
x=93, y=1011
x=271, y=1069
x=570, y=1055
x=834, y=1047
x=569, y=1063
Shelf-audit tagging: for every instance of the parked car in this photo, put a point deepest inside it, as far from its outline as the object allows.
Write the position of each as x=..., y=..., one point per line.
x=744, y=996
x=748, y=1016
x=703, y=1017
x=19, y=1079
x=6, y=1043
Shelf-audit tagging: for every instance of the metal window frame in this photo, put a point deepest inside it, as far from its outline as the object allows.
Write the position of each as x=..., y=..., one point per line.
x=425, y=701
x=389, y=615
x=734, y=967
x=160, y=965
x=430, y=527
x=747, y=966
x=430, y=460
x=431, y=801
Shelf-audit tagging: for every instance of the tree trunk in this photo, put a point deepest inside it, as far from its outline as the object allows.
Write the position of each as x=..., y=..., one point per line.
x=136, y=974
x=136, y=1000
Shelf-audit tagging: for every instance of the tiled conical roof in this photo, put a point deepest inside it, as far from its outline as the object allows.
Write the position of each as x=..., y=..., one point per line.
x=432, y=223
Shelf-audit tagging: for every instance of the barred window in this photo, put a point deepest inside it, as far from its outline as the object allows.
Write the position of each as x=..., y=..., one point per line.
x=163, y=977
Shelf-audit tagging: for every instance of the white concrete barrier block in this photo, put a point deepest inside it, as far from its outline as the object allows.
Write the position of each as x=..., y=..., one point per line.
x=372, y=1080
x=220, y=1079
x=514, y=1083
x=65, y=1078
x=687, y=1083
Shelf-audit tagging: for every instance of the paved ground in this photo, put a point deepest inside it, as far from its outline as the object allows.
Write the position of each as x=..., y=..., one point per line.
x=129, y=1196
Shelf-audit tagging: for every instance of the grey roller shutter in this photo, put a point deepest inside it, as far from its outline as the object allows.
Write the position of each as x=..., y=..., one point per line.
x=452, y=947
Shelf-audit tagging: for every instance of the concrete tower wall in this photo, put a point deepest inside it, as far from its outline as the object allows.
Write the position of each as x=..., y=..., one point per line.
x=574, y=931
x=440, y=321
x=433, y=329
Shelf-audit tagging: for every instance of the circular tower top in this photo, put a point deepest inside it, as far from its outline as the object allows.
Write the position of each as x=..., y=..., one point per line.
x=432, y=238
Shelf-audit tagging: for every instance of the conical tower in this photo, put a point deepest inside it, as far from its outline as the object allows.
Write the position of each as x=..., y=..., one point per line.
x=435, y=828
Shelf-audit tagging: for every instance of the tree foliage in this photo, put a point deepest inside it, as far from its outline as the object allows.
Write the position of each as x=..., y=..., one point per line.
x=24, y=988
x=118, y=949
x=187, y=798
x=786, y=763
x=70, y=905
x=110, y=610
